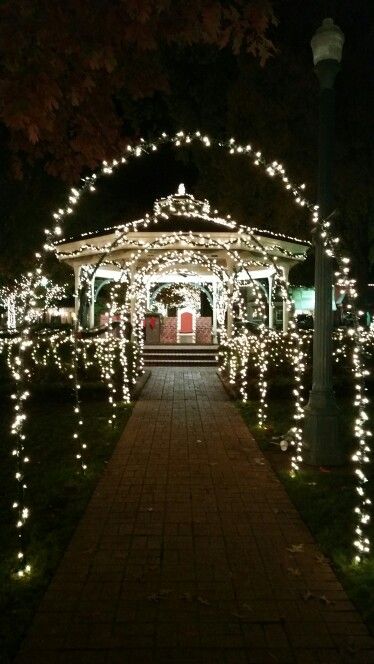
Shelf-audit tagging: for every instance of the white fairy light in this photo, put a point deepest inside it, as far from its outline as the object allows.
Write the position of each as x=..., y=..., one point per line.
x=188, y=207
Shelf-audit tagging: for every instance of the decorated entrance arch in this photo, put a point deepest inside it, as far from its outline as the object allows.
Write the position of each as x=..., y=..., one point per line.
x=133, y=257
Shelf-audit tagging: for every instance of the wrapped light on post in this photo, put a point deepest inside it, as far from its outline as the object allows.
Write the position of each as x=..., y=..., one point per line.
x=321, y=439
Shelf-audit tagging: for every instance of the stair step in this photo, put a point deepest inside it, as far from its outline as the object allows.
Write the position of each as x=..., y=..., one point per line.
x=179, y=362
x=159, y=356
x=182, y=349
x=180, y=345
x=180, y=355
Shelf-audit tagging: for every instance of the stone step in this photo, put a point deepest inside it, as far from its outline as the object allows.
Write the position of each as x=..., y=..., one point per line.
x=180, y=355
x=184, y=348
x=172, y=354
x=167, y=362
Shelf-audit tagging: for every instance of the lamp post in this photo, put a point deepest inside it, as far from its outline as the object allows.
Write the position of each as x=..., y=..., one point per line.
x=321, y=444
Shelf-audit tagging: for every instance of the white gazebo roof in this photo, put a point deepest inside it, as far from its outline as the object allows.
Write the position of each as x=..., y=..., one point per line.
x=181, y=223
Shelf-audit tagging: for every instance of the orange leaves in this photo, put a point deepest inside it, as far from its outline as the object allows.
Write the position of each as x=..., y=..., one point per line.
x=33, y=133
x=211, y=20
x=102, y=59
x=63, y=64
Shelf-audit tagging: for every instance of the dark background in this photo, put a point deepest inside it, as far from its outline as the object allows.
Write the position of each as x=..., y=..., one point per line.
x=274, y=107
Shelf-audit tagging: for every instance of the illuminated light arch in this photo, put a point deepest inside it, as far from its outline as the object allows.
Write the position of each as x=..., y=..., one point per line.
x=198, y=286
x=272, y=169
x=192, y=257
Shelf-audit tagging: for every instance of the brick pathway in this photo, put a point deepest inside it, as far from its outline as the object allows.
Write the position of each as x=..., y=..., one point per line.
x=190, y=551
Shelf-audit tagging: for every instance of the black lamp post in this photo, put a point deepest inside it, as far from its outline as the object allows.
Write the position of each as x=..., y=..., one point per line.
x=321, y=440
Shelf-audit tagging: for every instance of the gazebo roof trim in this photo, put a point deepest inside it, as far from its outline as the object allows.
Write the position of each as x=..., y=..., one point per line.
x=257, y=231
x=183, y=213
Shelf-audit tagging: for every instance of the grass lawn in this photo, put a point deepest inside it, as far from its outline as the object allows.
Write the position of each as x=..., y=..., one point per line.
x=325, y=498
x=57, y=496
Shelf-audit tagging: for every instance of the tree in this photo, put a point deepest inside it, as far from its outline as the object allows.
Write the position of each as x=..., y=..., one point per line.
x=67, y=68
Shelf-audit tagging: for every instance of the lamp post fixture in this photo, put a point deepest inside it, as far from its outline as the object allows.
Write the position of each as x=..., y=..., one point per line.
x=321, y=446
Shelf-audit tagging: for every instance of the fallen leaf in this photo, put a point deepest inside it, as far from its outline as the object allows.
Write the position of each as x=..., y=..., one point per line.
x=154, y=597
x=247, y=606
x=294, y=570
x=320, y=558
x=351, y=648
x=296, y=548
x=324, y=599
x=201, y=600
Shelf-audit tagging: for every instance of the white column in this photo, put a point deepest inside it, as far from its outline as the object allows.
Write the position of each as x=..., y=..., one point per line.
x=248, y=309
x=77, y=269
x=132, y=304
x=270, y=302
x=91, y=315
x=229, y=321
x=11, y=313
x=286, y=313
x=229, y=309
x=214, y=311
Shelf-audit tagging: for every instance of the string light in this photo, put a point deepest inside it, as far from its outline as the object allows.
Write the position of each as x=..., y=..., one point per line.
x=80, y=444
x=21, y=377
x=298, y=361
x=236, y=351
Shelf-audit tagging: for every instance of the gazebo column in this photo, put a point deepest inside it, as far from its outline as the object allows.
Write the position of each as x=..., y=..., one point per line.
x=286, y=313
x=229, y=321
x=214, y=312
x=132, y=304
x=77, y=270
x=229, y=304
x=270, y=302
x=91, y=311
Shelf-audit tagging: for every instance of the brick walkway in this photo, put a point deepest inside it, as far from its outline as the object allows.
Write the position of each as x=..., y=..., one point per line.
x=190, y=551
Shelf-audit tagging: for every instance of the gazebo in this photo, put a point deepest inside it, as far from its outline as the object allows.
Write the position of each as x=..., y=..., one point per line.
x=184, y=244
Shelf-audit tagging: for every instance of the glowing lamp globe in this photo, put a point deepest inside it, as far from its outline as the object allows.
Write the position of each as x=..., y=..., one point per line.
x=327, y=43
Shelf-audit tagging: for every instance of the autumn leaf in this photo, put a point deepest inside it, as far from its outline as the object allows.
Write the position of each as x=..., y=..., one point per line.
x=33, y=133
x=296, y=548
x=294, y=571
